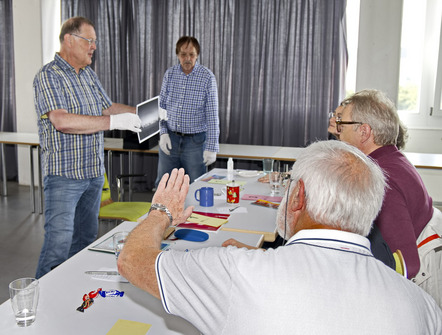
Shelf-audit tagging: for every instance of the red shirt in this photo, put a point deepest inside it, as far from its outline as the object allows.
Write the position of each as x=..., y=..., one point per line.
x=407, y=206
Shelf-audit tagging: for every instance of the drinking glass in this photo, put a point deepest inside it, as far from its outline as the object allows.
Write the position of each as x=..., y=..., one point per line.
x=285, y=175
x=276, y=166
x=275, y=182
x=119, y=240
x=267, y=165
x=24, y=299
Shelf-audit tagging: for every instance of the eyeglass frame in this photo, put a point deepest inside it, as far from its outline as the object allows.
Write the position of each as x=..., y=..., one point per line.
x=190, y=54
x=89, y=40
x=339, y=122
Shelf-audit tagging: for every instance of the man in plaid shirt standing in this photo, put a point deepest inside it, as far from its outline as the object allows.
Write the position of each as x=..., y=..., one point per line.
x=189, y=125
x=73, y=110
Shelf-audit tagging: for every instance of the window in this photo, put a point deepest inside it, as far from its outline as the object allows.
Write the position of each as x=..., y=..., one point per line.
x=437, y=106
x=412, y=46
x=352, y=21
x=420, y=54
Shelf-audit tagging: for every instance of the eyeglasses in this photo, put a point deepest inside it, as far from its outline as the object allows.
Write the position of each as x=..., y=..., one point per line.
x=191, y=55
x=89, y=40
x=339, y=123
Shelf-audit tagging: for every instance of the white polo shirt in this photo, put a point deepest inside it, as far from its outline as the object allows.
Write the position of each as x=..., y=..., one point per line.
x=321, y=282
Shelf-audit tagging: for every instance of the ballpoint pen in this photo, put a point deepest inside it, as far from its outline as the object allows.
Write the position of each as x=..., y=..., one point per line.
x=102, y=273
x=232, y=209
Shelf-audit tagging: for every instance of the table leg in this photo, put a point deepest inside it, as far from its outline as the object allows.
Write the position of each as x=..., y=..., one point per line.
x=130, y=172
x=120, y=188
x=31, y=187
x=40, y=183
x=5, y=186
x=109, y=167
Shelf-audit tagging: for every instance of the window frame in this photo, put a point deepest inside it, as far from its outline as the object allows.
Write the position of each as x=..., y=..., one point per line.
x=427, y=116
x=437, y=108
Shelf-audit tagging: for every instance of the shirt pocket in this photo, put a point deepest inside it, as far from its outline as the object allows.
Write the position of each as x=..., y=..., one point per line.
x=199, y=98
x=84, y=99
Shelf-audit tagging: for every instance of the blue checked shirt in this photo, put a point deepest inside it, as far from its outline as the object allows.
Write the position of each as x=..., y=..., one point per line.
x=191, y=102
x=58, y=86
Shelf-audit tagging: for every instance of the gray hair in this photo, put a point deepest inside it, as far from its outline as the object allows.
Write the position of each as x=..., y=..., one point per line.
x=402, y=137
x=73, y=25
x=375, y=109
x=343, y=187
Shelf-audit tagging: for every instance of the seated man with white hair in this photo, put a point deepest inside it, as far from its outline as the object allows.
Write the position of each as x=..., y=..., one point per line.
x=325, y=280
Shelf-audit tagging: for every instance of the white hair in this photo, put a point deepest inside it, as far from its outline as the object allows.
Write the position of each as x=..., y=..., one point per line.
x=343, y=187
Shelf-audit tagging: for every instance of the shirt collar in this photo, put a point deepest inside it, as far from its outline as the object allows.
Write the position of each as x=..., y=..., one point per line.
x=197, y=65
x=64, y=64
x=336, y=239
x=382, y=151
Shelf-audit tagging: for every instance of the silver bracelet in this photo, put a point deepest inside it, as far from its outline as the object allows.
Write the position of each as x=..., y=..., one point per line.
x=161, y=208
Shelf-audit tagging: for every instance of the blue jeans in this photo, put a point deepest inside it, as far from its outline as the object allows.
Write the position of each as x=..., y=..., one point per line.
x=71, y=218
x=187, y=153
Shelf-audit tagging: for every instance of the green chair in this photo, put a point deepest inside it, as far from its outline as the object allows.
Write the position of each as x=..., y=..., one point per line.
x=120, y=210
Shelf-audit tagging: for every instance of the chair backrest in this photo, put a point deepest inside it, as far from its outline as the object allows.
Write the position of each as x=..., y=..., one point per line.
x=120, y=210
x=401, y=267
x=106, y=197
x=429, y=244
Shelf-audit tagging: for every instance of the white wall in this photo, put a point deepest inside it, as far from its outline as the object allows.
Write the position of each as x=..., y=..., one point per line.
x=27, y=57
x=379, y=46
x=424, y=140
x=34, y=45
x=433, y=182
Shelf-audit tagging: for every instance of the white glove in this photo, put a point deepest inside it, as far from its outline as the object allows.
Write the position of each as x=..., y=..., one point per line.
x=125, y=121
x=165, y=144
x=209, y=157
x=162, y=113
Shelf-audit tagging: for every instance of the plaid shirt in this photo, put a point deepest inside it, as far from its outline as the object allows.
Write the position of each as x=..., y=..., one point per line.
x=58, y=86
x=191, y=102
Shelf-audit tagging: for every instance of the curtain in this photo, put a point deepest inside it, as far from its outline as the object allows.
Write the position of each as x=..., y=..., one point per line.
x=7, y=84
x=280, y=64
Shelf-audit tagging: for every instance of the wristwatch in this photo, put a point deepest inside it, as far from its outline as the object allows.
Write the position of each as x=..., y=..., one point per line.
x=161, y=208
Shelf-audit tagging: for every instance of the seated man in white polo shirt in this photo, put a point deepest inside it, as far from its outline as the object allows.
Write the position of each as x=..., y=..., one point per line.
x=323, y=281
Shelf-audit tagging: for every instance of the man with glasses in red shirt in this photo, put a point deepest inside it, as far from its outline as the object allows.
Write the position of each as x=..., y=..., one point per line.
x=369, y=121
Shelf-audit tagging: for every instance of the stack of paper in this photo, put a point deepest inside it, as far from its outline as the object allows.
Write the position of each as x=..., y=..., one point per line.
x=205, y=221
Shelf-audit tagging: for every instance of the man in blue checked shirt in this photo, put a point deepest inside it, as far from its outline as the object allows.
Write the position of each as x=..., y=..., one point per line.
x=189, y=125
x=73, y=111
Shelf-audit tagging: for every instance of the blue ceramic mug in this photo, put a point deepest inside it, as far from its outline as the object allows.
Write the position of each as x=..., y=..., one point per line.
x=205, y=197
